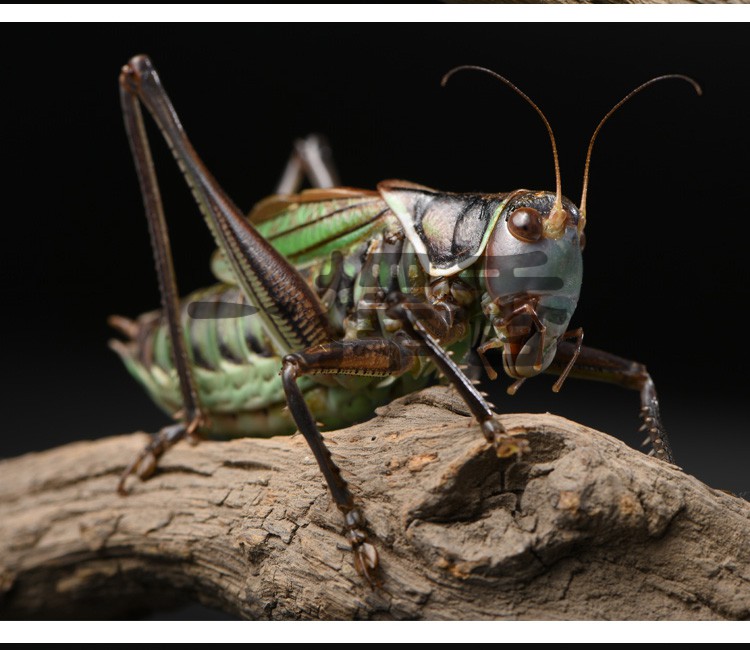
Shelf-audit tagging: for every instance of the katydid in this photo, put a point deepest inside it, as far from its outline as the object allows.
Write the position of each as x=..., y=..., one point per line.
x=332, y=301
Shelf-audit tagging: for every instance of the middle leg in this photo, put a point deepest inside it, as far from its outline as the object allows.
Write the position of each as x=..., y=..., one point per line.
x=369, y=357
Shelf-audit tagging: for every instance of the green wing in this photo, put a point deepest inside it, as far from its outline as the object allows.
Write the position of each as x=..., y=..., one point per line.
x=309, y=226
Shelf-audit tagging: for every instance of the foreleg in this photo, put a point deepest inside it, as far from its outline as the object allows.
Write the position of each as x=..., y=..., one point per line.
x=603, y=366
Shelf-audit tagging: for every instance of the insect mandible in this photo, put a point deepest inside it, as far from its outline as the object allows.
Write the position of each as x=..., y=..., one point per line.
x=335, y=300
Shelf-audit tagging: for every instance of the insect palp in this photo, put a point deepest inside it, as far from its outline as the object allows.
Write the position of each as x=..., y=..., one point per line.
x=513, y=388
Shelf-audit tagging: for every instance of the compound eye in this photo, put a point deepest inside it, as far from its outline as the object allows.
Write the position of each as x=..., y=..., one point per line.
x=526, y=224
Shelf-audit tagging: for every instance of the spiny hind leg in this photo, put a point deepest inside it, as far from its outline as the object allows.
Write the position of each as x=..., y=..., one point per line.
x=192, y=413
x=293, y=315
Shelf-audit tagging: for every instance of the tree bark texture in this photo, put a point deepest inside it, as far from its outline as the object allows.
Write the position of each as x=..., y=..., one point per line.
x=583, y=527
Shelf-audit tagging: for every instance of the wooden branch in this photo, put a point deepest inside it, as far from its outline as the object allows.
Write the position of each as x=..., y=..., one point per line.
x=583, y=528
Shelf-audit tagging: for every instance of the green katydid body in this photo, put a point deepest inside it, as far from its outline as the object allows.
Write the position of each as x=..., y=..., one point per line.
x=236, y=364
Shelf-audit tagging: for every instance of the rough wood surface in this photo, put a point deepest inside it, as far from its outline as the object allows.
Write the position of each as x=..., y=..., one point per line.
x=584, y=528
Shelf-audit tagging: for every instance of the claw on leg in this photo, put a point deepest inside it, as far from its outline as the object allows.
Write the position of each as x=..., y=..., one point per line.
x=505, y=445
x=145, y=463
x=366, y=560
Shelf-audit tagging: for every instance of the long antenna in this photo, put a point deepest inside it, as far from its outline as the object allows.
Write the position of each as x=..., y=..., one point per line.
x=650, y=82
x=556, y=222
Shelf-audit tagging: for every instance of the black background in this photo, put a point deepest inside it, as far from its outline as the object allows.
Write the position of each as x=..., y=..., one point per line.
x=665, y=265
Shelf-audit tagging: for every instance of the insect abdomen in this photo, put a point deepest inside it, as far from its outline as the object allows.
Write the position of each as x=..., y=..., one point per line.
x=235, y=369
x=237, y=372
